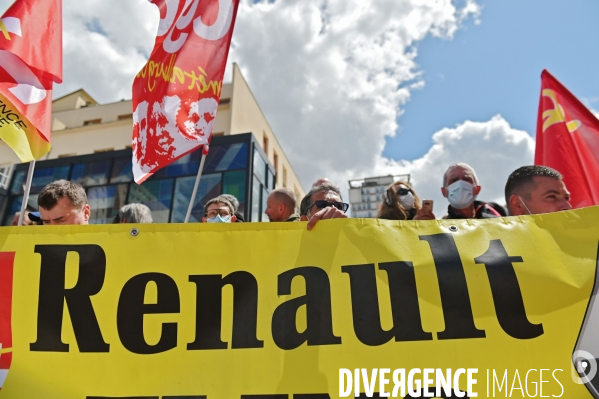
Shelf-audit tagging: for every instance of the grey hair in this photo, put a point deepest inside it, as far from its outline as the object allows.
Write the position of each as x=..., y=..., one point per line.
x=232, y=200
x=325, y=188
x=134, y=213
x=460, y=165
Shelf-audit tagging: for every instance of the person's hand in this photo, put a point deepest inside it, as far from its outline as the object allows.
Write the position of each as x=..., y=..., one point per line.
x=424, y=215
x=330, y=212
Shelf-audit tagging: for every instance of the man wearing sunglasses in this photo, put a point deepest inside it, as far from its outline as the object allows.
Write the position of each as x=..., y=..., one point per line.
x=322, y=202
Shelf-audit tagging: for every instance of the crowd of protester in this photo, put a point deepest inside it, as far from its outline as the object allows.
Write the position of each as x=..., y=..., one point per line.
x=528, y=190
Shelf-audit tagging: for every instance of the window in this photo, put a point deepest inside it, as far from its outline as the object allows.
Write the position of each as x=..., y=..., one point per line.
x=210, y=187
x=125, y=116
x=105, y=202
x=91, y=173
x=121, y=171
x=255, y=208
x=234, y=184
x=259, y=167
x=276, y=165
x=92, y=122
x=265, y=143
x=157, y=195
x=226, y=157
x=4, y=176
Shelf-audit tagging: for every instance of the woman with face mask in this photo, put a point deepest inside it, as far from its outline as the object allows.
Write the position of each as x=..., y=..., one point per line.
x=400, y=202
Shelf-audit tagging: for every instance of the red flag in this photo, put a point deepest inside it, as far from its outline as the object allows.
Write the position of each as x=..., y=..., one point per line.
x=6, y=282
x=568, y=141
x=30, y=61
x=176, y=94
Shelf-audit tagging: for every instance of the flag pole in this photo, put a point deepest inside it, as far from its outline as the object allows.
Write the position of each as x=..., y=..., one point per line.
x=26, y=192
x=195, y=188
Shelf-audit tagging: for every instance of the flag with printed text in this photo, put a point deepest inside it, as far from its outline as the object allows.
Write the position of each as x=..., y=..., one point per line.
x=30, y=62
x=176, y=94
x=568, y=141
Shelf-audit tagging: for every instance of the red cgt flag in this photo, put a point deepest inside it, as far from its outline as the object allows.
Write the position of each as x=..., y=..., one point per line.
x=568, y=141
x=30, y=62
x=176, y=94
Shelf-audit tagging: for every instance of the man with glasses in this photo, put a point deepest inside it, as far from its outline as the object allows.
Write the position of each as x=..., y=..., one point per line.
x=322, y=202
x=218, y=210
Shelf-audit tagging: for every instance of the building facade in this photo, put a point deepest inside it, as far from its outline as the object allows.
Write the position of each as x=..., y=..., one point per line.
x=91, y=145
x=366, y=195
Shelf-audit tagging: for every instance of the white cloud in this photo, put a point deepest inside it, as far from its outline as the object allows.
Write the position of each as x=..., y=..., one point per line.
x=492, y=148
x=332, y=75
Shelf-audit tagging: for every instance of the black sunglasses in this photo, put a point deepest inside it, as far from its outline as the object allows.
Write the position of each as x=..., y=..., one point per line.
x=403, y=191
x=320, y=204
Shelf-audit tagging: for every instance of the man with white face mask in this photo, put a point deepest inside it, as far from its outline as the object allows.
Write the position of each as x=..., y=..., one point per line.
x=460, y=187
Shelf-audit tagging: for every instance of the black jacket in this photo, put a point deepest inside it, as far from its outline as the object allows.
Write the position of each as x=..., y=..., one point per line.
x=483, y=210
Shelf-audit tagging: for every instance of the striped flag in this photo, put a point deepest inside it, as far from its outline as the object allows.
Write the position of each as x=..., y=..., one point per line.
x=30, y=62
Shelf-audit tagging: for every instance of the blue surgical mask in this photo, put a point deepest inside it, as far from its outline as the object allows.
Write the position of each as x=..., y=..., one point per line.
x=461, y=194
x=219, y=219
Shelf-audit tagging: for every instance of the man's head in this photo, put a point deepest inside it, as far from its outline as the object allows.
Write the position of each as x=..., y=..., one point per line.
x=134, y=213
x=63, y=202
x=536, y=189
x=280, y=204
x=218, y=210
x=320, y=197
x=460, y=185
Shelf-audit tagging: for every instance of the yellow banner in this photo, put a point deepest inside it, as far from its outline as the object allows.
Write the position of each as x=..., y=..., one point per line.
x=490, y=308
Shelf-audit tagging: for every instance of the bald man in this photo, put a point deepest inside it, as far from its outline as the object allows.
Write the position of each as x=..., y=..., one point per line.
x=280, y=206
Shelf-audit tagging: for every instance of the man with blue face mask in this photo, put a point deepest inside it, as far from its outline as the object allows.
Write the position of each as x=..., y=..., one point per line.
x=218, y=210
x=460, y=187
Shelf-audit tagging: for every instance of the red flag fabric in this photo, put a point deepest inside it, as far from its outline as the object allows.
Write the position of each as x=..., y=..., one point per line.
x=30, y=61
x=6, y=280
x=176, y=94
x=568, y=141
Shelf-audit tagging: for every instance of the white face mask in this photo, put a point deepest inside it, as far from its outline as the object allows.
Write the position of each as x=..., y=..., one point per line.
x=524, y=203
x=219, y=219
x=461, y=194
x=407, y=201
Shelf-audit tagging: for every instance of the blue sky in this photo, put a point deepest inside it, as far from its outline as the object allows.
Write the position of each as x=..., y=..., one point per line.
x=494, y=68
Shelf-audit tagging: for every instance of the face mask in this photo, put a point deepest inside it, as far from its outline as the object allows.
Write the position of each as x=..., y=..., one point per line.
x=460, y=194
x=407, y=201
x=219, y=219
